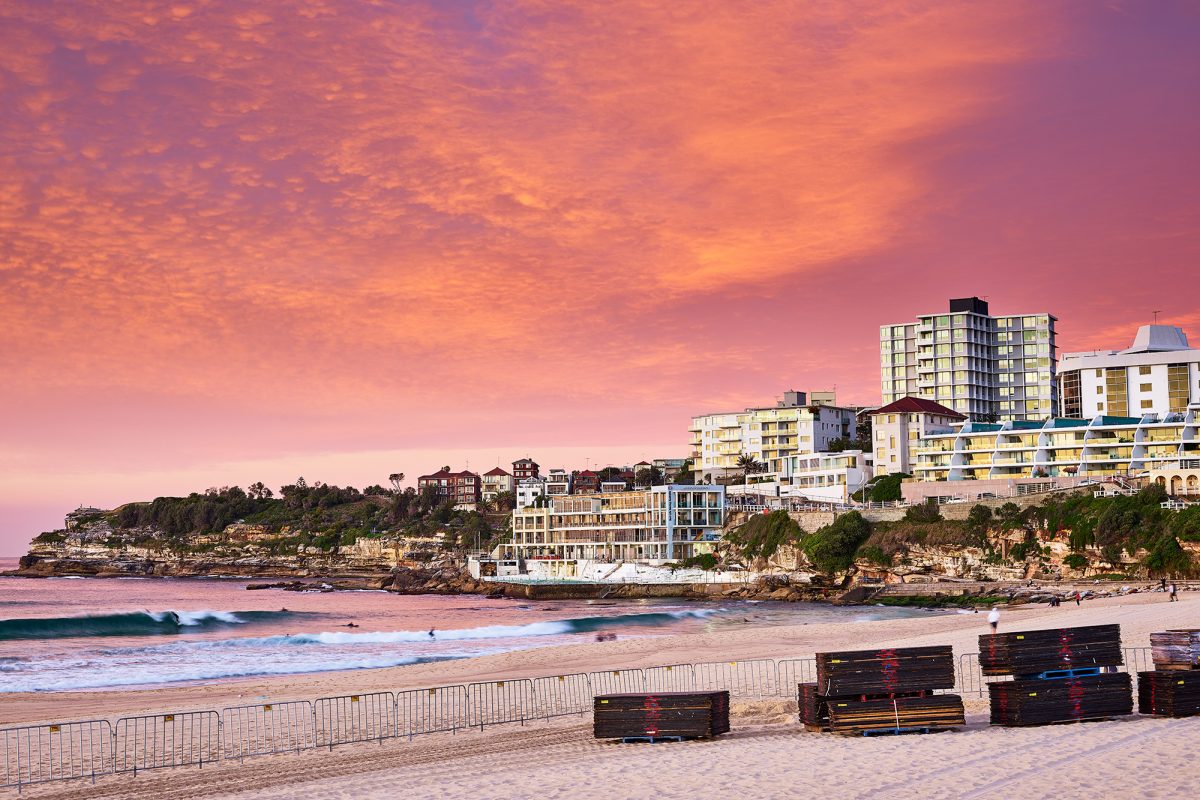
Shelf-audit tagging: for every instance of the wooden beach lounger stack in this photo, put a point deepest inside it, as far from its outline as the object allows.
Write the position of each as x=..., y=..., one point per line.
x=661, y=716
x=882, y=691
x=1059, y=675
x=1172, y=689
x=1175, y=649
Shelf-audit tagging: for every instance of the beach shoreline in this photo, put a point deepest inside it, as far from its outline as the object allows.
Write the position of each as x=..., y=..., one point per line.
x=562, y=754
x=1136, y=612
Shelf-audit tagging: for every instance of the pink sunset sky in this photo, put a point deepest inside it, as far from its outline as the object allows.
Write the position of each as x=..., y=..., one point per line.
x=248, y=241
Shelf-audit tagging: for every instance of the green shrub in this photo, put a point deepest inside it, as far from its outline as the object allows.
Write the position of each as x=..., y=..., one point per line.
x=1166, y=557
x=832, y=548
x=763, y=534
x=704, y=561
x=1076, y=561
x=923, y=513
x=875, y=555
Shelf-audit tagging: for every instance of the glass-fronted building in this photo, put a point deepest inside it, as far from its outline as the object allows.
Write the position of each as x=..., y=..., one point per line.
x=1098, y=447
x=656, y=525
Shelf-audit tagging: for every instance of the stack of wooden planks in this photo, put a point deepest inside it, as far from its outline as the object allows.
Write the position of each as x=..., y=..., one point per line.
x=1033, y=652
x=1058, y=675
x=661, y=715
x=1169, y=693
x=814, y=711
x=1175, y=649
x=902, y=669
x=1044, y=701
x=882, y=691
x=925, y=712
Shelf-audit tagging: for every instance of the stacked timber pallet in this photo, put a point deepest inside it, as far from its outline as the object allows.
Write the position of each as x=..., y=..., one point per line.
x=661, y=716
x=882, y=691
x=1175, y=649
x=906, y=669
x=1034, y=652
x=1172, y=689
x=1042, y=701
x=1169, y=693
x=1059, y=675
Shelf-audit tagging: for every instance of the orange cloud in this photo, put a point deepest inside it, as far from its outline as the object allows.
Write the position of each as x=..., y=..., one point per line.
x=430, y=221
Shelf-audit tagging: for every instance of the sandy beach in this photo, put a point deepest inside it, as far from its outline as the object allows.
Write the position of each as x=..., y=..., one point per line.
x=766, y=749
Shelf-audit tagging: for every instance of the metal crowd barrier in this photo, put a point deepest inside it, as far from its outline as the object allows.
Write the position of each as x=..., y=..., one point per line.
x=1137, y=659
x=72, y=750
x=754, y=678
x=618, y=681
x=437, y=710
x=161, y=741
x=790, y=673
x=563, y=695
x=354, y=718
x=500, y=702
x=62, y=752
x=671, y=678
x=267, y=728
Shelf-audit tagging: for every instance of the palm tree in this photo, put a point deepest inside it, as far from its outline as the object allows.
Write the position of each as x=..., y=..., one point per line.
x=748, y=464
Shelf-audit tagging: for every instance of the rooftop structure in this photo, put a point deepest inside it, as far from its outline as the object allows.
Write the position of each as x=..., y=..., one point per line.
x=1159, y=374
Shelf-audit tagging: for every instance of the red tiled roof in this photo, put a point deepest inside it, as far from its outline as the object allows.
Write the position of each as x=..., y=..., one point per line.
x=496, y=471
x=586, y=472
x=917, y=405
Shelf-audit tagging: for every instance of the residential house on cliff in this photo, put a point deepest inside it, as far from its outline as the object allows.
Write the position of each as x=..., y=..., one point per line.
x=497, y=481
x=464, y=489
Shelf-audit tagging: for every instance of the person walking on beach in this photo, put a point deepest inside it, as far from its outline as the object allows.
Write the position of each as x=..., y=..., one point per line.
x=1077, y=598
x=994, y=619
x=1174, y=598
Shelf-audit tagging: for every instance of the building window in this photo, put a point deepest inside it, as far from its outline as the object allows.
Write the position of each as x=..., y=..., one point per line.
x=1145, y=387
x=1147, y=404
x=1143, y=370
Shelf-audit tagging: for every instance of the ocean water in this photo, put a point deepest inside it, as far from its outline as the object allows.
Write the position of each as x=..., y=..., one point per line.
x=61, y=634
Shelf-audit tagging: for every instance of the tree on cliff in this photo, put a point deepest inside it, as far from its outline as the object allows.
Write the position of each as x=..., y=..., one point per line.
x=259, y=491
x=832, y=548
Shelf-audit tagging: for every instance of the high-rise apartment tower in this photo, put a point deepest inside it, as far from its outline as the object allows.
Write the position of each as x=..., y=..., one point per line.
x=984, y=366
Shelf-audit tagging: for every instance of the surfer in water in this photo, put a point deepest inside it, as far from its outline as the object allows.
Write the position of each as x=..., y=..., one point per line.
x=431, y=636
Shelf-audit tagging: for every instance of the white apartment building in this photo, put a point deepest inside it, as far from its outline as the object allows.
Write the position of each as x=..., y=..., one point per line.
x=897, y=427
x=528, y=490
x=986, y=367
x=558, y=481
x=1098, y=447
x=652, y=526
x=1158, y=374
x=819, y=477
x=792, y=426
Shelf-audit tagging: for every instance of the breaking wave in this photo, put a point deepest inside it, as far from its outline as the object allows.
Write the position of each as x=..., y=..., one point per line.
x=135, y=623
x=547, y=628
